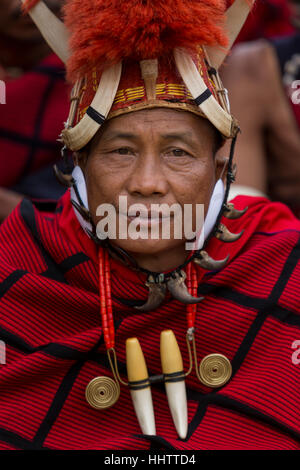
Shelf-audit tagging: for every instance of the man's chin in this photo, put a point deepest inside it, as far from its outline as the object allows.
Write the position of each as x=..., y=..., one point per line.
x=148, y=247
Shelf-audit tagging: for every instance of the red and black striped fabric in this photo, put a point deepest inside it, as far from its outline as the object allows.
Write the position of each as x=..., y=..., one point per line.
x=30, y=123
x=50, y=323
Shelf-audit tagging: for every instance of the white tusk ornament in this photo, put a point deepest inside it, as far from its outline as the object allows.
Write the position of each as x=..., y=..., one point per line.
x=141, y=398
x=52, y=28
x=172, y=367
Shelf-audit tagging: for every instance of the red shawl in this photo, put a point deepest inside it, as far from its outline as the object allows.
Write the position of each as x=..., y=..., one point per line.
x=50, y=322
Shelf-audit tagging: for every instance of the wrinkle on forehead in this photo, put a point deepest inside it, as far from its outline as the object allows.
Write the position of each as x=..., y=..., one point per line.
x=167, y=122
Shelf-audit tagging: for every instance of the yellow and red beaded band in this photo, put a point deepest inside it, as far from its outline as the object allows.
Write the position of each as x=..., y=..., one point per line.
x=170, y=90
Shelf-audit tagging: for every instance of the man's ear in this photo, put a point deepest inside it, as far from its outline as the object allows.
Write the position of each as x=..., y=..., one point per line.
x=80, y=159
x=221, y=163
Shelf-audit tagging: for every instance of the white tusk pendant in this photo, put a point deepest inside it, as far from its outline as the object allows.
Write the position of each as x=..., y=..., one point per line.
x=139, y=384
x=172, y=367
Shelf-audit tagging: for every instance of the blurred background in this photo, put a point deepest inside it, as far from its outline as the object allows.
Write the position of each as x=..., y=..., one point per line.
x=36, y=107
x=259, y=74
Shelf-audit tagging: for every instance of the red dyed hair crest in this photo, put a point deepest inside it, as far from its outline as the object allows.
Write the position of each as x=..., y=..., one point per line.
x=104, y=32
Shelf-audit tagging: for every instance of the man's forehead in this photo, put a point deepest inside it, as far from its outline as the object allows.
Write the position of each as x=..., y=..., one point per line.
x=135, y=133
x=166, y=122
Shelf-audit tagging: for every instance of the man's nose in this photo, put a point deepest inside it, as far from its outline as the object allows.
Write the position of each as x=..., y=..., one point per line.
x=148, y=176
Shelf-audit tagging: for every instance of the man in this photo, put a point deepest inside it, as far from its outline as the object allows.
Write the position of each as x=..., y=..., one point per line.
x=92, y=327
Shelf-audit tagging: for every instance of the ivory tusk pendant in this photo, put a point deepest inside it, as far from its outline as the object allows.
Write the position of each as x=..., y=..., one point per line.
x=172, y=367
x=141, y=391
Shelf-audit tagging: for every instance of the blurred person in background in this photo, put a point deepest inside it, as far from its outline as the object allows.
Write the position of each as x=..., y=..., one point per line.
x=36, y=106
x=268, y=18
x=261, y=79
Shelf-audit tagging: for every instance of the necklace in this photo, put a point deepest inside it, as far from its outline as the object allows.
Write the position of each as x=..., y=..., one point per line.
x=103, y=392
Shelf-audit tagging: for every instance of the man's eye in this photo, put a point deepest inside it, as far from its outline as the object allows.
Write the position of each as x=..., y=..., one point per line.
x=123, y=151
x=178, y=152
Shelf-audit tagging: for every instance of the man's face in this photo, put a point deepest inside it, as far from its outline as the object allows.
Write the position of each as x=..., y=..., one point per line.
x=157, y=156
x=15, y=25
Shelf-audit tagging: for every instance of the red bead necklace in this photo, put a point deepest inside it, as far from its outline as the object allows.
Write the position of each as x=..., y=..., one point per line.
x=106, y=301
x=103, y=392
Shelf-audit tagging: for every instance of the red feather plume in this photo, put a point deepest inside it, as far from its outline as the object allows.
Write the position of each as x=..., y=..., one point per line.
x=104, y=32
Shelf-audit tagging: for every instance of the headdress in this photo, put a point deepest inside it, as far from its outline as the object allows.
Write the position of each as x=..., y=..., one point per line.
x=123, y=56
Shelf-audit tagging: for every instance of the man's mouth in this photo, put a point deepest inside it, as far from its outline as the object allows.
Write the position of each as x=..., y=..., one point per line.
x=148, y=219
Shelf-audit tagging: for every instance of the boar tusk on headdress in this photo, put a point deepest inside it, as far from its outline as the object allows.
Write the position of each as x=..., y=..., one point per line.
x=236, y=16
x=77, y=137
x=203, y=97
x=53, y=30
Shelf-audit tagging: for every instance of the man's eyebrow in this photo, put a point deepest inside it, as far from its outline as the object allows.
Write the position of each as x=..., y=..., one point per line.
x=112, y=135
x=186, y=136
x=183, y=136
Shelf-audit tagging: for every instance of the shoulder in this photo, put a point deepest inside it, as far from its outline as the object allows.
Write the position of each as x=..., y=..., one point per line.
x=265, y=261
x=21, y=237
x=41, y=234
x=252, y=74
x=268, y=230
x=266, y=215
x=252, y=59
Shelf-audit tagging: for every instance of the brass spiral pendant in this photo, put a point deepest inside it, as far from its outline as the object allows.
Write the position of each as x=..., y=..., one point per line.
x=102, y=392
x=215, y=370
